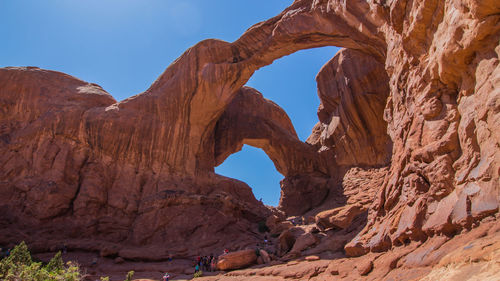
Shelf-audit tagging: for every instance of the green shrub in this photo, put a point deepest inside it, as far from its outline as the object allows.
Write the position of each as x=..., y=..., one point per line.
x=198, y=273
x=55, y=264
x=20, y=266
x=105, y=278
x=130, y=274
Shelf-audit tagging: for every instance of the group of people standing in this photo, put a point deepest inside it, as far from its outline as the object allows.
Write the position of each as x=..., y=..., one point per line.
x=206, y=263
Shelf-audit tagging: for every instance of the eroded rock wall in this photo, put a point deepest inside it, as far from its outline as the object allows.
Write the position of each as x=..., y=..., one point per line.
x=442, y=60
x=253, y=120
x=125, y=171
x=62, y=182
x=353, y=88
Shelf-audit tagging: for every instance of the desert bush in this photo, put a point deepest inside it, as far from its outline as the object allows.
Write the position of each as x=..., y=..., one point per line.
x=198, y=273
x=19, y=266
x=130, y=274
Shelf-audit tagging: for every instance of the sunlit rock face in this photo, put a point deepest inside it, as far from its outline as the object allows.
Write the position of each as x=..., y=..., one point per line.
x=73, y=167
x=353, y=88
x=416, y=90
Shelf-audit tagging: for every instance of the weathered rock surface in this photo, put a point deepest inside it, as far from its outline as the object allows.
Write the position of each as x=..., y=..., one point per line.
x=472, y=255
x=265, y=256
x=251, y=119
x=339, y=217
x=441, y=111
x=353, y=88
x=56, y=172
x=237, y=260
x=303, y=242
x=77, y=165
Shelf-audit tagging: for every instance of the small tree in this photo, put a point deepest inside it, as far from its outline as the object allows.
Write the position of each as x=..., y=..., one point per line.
x=20, y=255
x=14, y=264
x=19, y=266
x=130, y=274
x=56, y=264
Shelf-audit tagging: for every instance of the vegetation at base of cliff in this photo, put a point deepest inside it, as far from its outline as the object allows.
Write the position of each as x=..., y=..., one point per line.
x=130, y=274
x=19, y=266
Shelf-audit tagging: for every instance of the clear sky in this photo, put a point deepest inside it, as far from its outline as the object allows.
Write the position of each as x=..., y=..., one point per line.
x=124, y=45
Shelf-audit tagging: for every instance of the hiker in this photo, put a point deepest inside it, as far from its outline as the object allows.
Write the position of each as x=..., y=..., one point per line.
x=94, y=262
x=265, y=240
x=64, y=249
x=213, y=264
x=203, y=263
x=196, y=268
x=226, y=251
x=210, y=262
x=166, y=276
x=170, y=257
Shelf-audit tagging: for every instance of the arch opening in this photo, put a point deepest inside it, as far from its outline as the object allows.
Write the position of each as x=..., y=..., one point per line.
x=252, y=166
x=252, y=121
x=290, y=82
x=346, y=127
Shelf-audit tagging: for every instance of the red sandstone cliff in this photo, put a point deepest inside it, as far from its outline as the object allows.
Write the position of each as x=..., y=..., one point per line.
x=416, y=90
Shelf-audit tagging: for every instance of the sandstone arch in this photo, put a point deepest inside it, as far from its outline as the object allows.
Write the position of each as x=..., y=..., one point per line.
x=62, y=138
x=251, y=119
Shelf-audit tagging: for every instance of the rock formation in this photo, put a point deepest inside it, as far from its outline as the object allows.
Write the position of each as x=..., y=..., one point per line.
x=353, y=88
x=412, y=104
x=61, y=178
x=236, y=260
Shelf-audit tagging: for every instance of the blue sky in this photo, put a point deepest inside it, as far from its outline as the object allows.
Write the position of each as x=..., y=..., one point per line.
x=124, y=45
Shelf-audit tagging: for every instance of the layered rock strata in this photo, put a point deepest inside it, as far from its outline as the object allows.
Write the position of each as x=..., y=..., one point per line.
x=62, y=182
x=126, y=171
x=353, y=88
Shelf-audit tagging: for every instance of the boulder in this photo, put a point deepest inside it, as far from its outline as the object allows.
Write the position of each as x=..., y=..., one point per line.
x=340, y=217
x=365, y=267
x=260, y=260
x=312, y=258
x=237, y=260
x=272, y=221
x=286, y=241
x=281, y=226
x=265, y=256
x=303, y=242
